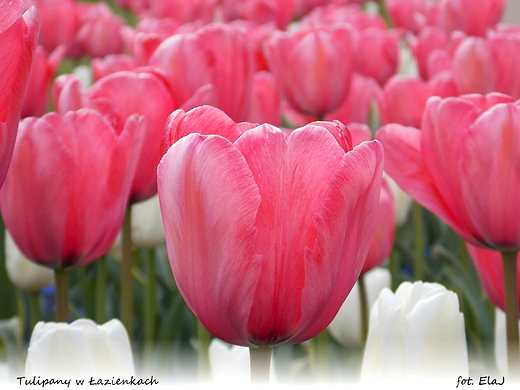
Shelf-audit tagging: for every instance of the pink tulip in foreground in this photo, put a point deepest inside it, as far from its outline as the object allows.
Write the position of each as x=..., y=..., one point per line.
x=266, y=235
x=18, y=37
x=66, y=191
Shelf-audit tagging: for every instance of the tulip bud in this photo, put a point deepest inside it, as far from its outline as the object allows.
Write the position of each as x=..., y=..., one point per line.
x=80, y=349
x=24, y=273
x=416, y=332
x=346, y=326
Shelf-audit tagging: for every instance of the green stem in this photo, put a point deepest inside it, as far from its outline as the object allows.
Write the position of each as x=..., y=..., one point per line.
x=101, y=282
x=319, y=355
x=62, y=294
x=393, y=267
x=383, y=11
x=419, y=241
x=363, y=301
x=126, y=273
x=204, y=340
x=260, y=364
x=149, y=306
x=509, y=261
x=34, y=299
x=22, y=312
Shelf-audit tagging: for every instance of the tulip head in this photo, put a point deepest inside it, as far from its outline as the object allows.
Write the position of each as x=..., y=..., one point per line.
x=66, y=191
x=313, y=67
x=266, y=235
x=447, y=164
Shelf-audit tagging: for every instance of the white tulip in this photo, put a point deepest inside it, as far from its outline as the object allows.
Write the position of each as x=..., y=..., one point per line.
x=346, y=326
x=402, y=202
x=81, y=349
x=501, y=342
x=147, y=227
x=24, y=273
x=416, y=332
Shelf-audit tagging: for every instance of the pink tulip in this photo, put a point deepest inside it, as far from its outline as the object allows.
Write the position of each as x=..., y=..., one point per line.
x=205, y=120
x=382, y=60
x=490, y=270
x=433, y=49
x=212, y=65
x=404, y=99
x=255, y=35
x=382, y=240
x=463, y=15
x=66, y=191
x=265, y=100
x=59, y=24
x=267, y=235
x=484, y=65
x=114, y=96
x=111, y=63
x=183, y=11
x=313, y=68
x=43, y=68
x=279, y=12
x=365, y=95
x=18, y=38
x=142, y=40
x=462, y=166
x=412, y=15
x=337, y=14
x=100, y=30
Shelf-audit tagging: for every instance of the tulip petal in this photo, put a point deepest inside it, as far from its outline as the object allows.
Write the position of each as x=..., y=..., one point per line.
x=493, y=135
x=405, y=165
x=209, y=201
x=345, y=223
x=286, y=168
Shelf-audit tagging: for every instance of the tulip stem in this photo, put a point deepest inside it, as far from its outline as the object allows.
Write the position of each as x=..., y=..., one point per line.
x=319, y=355
x=34, y=299
x=101, y=280
x=61, y=278
x=126, y=273
x=149, y=304
x=383, y=11
x=363, y=300
x=509, y=261
x=260, y=364
x=204, y=339
x=419, y=241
